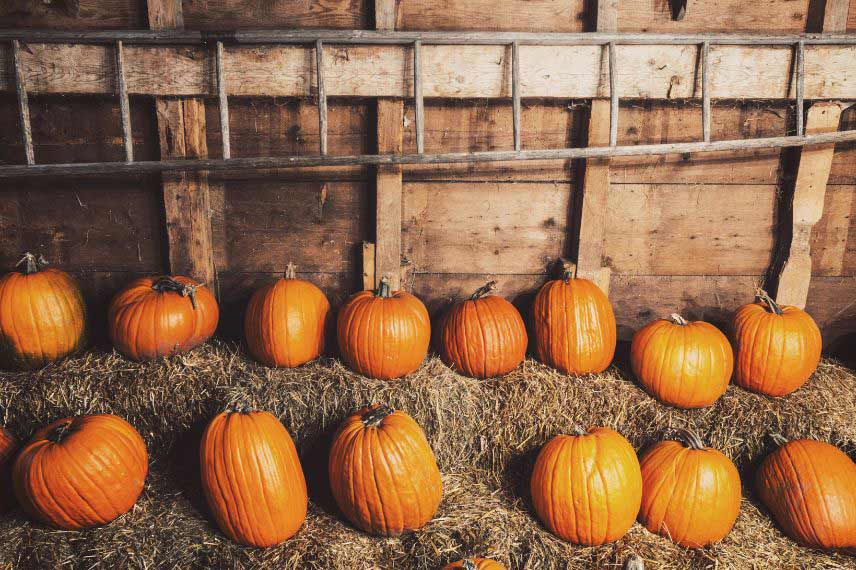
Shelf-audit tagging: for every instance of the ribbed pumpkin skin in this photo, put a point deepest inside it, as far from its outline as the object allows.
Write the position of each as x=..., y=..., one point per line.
x=687, y=366
x=475, y=564
x=93, y=475
x=587, y=489
x=810, y=489
x=252, y=478
x=775, y=354
x=42, y=318
x=691, y=496
x=284, y=323
x=384, y=478
x=384, y=337
x=145, y=324
x=483, y=337
x=8, y=448
x=574, y=326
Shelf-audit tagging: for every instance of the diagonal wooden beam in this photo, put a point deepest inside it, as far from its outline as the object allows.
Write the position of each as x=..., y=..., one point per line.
x=835, y=15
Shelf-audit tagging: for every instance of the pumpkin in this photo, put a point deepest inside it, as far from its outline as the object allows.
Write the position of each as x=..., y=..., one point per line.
x=252, y=478
x=158, y=316
x=574, y=325
x=81, y=472
x=777, y=347
x=483, y=336
x=475, y=564
x=383, y=473
x=284, y=322
x=42, y=315
x=586, y=488
x=810, y=488
x=384, y=334
x=8, y=447
x=683, y=364
x=690, y=493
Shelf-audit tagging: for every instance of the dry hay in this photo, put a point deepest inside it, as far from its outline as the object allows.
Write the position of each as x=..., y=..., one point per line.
x=485, y=435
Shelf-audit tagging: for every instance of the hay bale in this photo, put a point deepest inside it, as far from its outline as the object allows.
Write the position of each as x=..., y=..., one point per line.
x=485, y=435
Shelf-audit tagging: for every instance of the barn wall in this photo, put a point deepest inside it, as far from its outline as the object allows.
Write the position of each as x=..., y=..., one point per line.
x=684, y=233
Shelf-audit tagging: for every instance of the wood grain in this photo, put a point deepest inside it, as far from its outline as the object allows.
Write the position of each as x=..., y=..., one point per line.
x=236, y=14
x=835, y=15
x=72, y=14
x=833, y=237
x=508, y=15
x=715, y=16
x=390, y=126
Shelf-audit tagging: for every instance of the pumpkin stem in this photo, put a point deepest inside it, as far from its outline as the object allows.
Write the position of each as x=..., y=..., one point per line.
x=467, y=564
x=569, y=270
x=240, y=408
x=169, y=284
x=290, y=271
x=771, y=304
x=688, y=438
x=483, y=290
x=57, y=434
x=778, y=439
x=31, y=263
x=678, y=320
x=374, y=417
x=384, y=290
x=633, y=562
x=579, y=430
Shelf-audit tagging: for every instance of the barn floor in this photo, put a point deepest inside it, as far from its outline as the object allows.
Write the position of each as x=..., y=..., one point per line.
x=485, y=435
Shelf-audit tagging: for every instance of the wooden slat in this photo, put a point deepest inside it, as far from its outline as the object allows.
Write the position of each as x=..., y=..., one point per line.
x=72, y=14
x=506, y=15
x=833, y=237
x=240, y=14
x=385, y=14
x=165, y=14
x=715, y=15
x=809, y=190
x=835, y=16
x=390, y=129
x=368, y=265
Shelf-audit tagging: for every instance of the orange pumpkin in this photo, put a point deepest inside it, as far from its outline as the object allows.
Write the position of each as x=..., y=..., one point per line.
x=252, y=477
x=8, y=448
x=810, y=489
x=475, y=564
x=81, y=472
x=777, y=347
x=483, y=336
x=384, y=334
x=383, y=473
x=158, y=316
x=683, y=364
x=690, y=493
x=42, y=315
x=284, y=323
x=587, y=488
x=574, y=325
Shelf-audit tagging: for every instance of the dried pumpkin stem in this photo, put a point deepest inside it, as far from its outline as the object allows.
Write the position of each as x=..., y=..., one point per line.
x=290, y=271
x=374, y=417
x=778, y=439
x=240, y=408
x=569, y=270
x=579, y=430
x=678, y=320
x=169, y=284
x=58, y=433
x=689, y=438
x=467, y=564
x=483, y=290
x=384, y=290
x=31, y=263
x=765, y=297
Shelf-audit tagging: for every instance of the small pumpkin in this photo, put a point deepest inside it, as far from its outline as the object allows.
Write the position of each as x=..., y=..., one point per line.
x=810, y=489
x=42, y=315
x=285, y=320
x=587, y=487
x=383, y=473
x=252, y=478
x=683, y=364
x=384, y=334
x=483, y=336
x=690, y=493
x=574, y=325
x=158, y=316
x=81, y=472
x=8, y=448
x=777, y=347
x=475, y=564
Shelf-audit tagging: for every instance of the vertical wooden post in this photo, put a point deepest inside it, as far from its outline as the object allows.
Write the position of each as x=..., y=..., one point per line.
x=835, y=16
x=181, y=132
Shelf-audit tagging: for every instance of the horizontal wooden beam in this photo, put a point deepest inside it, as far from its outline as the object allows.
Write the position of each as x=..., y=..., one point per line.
x=459, y=71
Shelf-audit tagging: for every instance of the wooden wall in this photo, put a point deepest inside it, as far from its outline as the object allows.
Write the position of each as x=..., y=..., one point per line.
x=684, y=233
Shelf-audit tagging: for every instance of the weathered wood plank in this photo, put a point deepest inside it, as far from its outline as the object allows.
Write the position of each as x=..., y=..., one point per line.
x=715, y=16
x=833, y=237
x=835, y=15
x=165, y=14
x=390, y=129
x=508, y=15
x=368, y=265
x=237, y=14
x=72, y=14
x=832, y=304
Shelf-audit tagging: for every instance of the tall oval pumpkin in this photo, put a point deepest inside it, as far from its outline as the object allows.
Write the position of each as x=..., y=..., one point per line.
x=42, y=315
x=777, y=347
x=384, y=334
x=483, y=336
x=81, y=472
x=285, y=321
x=690, y=493
x=8, y=448
x=574, y=325
x=383, y=473
x=810, y=488
x=587, y=488
x=158, y=316
x=683, y=364
x=252, y=478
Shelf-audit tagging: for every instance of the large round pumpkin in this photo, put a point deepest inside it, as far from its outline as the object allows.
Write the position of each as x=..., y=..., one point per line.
x=690, y=493
x=384, y=334
x=777, y=347
x=810, y=488
x=383, y=473
x=483, y=336
x=683, y=364
x=252, y=477
x=285, y=320
x=574, y=325
x=81, y=472
x=158, y=316
x=8, y=448
x=475, y=564
x=587, y=488
x=42, y=315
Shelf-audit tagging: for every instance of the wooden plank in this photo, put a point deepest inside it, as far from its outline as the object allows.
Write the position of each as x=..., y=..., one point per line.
x=390, y=129
x=508, y=15
x=165, y=14
x=368, y=266
x=809, y=190
x=835, y=16
x=832, y=304
x=238, y=14
x=385, y=14
x=715, y=16
x=833, y=237
x=72, y=14
x=660, y=72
